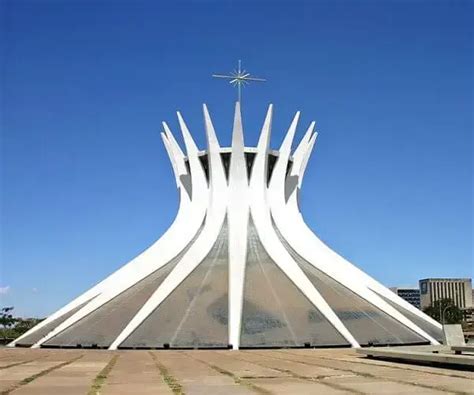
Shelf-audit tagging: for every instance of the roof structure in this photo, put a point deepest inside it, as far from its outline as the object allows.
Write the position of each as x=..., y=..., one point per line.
x=238, y=268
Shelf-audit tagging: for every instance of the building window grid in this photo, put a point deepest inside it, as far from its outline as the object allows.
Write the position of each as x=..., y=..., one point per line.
x=431, y=292
x=458, y=294
x=454, y=293
x=454, y=290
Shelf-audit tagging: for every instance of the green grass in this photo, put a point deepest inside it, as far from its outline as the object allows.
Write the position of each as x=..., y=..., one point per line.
x=170, y=381
x=99, y=380
x=237, y=379
x=38, y=375
x=18, y=363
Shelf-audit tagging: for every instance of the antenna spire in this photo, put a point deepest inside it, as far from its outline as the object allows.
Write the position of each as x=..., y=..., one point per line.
x=239, y=78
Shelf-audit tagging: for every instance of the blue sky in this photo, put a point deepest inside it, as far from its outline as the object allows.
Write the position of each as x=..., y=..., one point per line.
x=85, y=181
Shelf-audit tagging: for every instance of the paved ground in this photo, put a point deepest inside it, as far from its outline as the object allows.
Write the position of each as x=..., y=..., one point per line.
x=340, y=371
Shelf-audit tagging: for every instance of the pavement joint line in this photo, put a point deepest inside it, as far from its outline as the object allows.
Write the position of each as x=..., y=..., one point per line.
x=362, y=374
x=393, y=367
x=101, y=377
x=170, y=381
x=387, y=365
x=29, y=379
x=313, y=379
x=20, y=363
x=253, y=363
x=237, y=380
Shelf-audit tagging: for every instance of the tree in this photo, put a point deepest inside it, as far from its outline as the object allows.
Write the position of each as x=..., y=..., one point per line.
x=11, y=327
x=6, y=320
x=23, y=325
x=445, y=311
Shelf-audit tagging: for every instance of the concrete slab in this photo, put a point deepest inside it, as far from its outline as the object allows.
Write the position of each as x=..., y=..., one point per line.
x=240, y=368
x=453, y=335
x=9, y=356
x=289, y=366
x=135, y=373
x=286, y=386
x=368, y=385
x=427, y=370
x=13, y=376
x=390, y=374
x=73, y=379
x=467, y=349
x=329, y=371
x=196, y=377
x=441, y=358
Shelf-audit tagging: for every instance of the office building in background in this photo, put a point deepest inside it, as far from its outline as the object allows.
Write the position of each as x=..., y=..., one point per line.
x=410, y=294
x=459, y=290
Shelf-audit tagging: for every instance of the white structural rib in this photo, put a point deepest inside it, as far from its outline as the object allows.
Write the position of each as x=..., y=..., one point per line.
x=277, y=181
x=237, y=214
x=371, y=283
x=85, y=297
x=301, y=150
x=185, y=226
x=176, y=156
x=289, y=222
x=262, y=219
x=204, y=204
x=176, y=170
x=127, y=270
x=300, y=160
x=200, y=248
x=178, y=152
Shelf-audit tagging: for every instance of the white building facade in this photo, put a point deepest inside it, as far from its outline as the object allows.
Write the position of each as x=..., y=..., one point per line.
x=458, y=290
x=238, y=268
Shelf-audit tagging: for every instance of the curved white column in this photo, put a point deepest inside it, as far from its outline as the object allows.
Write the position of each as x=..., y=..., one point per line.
x=178, y=152
x=184, y=228
x=289, y=222
x=204, y=205
x=237, y=214
x=372, y=284
x=260, y=211
x=215, y=216
x=300, y=160
x=176, y=159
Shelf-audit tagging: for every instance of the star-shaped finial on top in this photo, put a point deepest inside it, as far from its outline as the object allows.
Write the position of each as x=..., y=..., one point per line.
x=239, y=78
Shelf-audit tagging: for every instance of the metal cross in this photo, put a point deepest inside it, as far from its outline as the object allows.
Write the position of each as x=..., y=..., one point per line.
x=239, y=78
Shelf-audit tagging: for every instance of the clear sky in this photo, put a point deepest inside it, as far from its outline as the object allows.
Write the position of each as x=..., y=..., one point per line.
x=86, y=184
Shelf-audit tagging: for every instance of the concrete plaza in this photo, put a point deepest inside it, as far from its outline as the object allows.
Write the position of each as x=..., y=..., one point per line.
x=325, y=371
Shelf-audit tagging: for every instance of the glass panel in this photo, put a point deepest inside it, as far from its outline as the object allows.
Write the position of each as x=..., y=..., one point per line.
x=102, y=326
x=275, y=312
x=420, y=322
x=195, y=314
x=368, y=324
x=249, y=158
x=40, y=333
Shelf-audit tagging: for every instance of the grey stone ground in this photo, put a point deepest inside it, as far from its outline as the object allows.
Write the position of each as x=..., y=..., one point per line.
x=336, y=371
